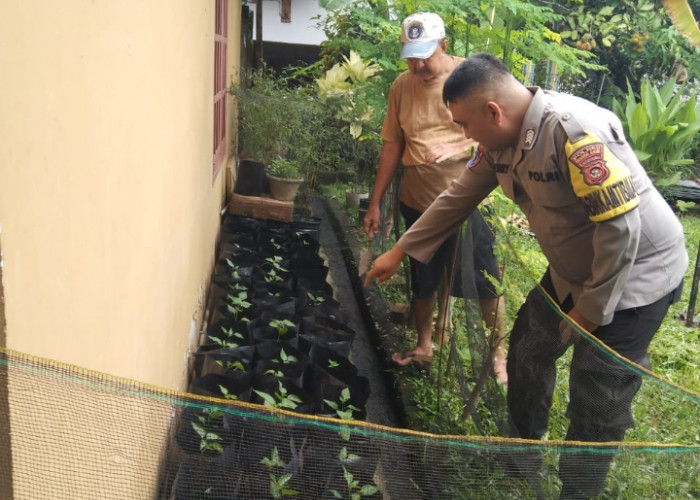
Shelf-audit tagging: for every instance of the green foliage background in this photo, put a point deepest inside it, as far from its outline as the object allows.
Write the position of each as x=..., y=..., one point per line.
x=537, y=34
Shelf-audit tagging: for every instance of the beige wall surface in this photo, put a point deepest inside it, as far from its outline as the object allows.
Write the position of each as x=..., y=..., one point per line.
x=108, y=224
x=108, y=210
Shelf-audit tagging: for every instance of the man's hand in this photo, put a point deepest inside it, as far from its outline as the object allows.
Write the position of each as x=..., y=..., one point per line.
x=568, y=332
x=386, y=265
x=441, y=152
x=370, y=223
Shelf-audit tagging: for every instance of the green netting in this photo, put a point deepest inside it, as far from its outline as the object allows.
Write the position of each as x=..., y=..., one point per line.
x=78, y=434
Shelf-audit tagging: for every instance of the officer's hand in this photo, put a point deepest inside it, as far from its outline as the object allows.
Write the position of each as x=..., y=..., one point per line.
x=438, y=153
x=386, y=265
x=567, y=330
x=370, y=223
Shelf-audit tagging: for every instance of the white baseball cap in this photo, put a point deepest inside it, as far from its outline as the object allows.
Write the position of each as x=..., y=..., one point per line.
x=420, y=34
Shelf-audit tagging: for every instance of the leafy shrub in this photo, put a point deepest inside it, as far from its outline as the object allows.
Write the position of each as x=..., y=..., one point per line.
x=345, y=89
x=661, y=128
x=274, y=119
x=277, y=117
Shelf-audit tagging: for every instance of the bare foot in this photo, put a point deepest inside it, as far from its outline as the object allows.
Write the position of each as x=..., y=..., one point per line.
x=420, y=358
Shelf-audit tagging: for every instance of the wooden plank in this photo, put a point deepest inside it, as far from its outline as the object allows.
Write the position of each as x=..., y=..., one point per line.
x=261, y=207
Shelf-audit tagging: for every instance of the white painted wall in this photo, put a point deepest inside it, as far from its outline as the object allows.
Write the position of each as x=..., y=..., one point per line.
x=301, y=30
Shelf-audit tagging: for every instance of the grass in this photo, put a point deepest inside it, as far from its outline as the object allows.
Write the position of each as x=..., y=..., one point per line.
x=673, y=351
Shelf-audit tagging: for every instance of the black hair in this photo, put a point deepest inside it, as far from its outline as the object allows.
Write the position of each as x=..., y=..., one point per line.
x=473, y=73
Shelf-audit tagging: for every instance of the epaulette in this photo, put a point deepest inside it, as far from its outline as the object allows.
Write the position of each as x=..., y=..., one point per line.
x=572, y=127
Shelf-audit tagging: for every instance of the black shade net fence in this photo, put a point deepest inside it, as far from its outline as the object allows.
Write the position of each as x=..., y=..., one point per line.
x=663, y=413
x=252, y=428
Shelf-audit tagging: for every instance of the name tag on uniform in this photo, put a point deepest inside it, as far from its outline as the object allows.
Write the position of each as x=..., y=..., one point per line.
x=552, y=176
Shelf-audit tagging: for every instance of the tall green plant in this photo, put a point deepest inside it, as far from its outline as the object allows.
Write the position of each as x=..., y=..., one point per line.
x=275, y=120
x=682, y=17
x=343, y=89
x=660, y=128
x=515, y=30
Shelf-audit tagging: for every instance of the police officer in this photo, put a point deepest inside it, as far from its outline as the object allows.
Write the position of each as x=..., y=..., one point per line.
x=615, y=250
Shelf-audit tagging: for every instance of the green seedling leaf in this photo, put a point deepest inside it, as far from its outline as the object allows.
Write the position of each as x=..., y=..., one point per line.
x=332, y=404
x=267, y=399
x=274, y=460
x=368, y=489
x=201, y=432
x=226, y=393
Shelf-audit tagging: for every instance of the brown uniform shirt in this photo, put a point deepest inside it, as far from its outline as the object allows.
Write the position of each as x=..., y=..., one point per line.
x=611, y=240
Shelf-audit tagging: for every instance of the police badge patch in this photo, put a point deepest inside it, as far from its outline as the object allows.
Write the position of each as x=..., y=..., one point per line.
x=599, y=179
x=475, y=159
x=590, y=160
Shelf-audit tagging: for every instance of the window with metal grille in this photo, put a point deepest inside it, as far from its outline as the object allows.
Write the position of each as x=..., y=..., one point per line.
x=220, y=85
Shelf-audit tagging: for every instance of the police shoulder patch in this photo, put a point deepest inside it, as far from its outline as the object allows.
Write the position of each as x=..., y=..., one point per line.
x=476, y=158
x=601, y=181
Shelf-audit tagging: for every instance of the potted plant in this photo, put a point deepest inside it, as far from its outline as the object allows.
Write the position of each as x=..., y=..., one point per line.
x=254, y=353
x=278, y=393
x=279, y=478
x=203, y=431
x=279, y=119
x=284, y=176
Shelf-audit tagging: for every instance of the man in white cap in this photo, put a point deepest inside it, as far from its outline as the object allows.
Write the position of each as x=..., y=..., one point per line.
x=419, y=132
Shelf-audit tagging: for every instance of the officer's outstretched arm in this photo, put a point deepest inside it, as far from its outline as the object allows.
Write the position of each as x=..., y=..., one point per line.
x=386, y=265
